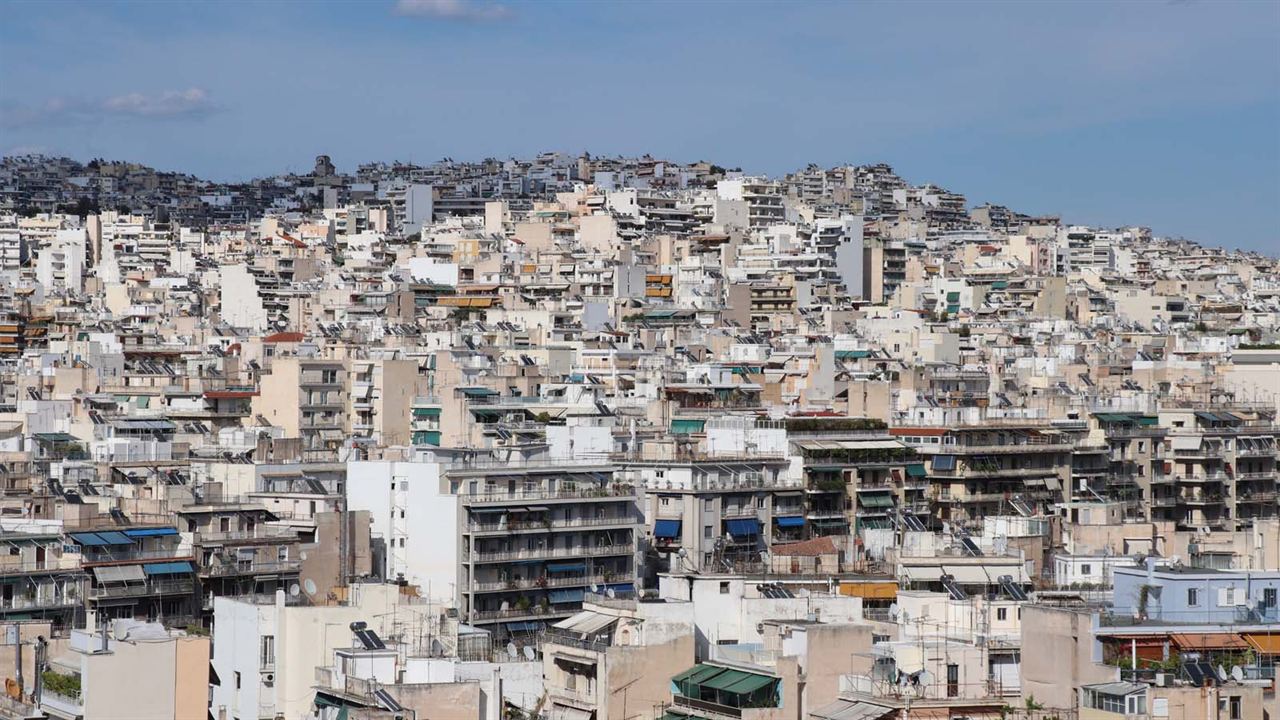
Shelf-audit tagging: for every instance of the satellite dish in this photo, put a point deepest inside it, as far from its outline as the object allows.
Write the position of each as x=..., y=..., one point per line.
x=309, y=587
x=609, y=592
x=528, y=653
x=595, y=588
x=294, y=590
x=1237, y=674
x=893, y=611
x=682, y=553
x=511, y=649
x=1222, y=673
x=926, y=677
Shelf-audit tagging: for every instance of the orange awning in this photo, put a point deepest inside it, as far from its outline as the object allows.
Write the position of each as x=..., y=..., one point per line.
x=1264, y=643
x=870, y=590
x=1209, y=641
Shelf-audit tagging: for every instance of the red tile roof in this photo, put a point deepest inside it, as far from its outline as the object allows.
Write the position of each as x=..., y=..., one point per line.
x=284, y=337
x=809, y=548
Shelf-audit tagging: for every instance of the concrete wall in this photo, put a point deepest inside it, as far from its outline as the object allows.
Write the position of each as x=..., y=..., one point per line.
x=1063, y=656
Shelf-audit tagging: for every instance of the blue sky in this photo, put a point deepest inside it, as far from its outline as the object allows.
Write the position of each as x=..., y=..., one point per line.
x=1158, y=113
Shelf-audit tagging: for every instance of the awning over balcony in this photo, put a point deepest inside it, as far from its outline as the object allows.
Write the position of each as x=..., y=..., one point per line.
x=150, y=532
x=566, y=567
x=746, y=527
x=168, y=568
x=119, y=574
x=790, y=521
x=667, y=529
x=687, y=426
x=109, y=537
x=573, y=595
x=915, y=470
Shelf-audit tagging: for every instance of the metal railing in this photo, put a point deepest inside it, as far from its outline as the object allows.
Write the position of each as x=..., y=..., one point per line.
x=616, y=490
x=551, y=525
x=551, y=553
x=539, y=583
x=254, y=568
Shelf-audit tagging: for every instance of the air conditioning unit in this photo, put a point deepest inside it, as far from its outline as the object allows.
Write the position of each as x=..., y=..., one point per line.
x=1164, y=679
x=268, y=678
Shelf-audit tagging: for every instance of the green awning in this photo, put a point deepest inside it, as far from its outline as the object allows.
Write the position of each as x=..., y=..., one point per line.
x=685, y=426
x=478, y=392
x=426, y=437
x=953, y=309
x=875, y=500
x=1147, y=419
x=696, y=674
x=852, y=354
x=750, y=684
x=916, y=470
x=426, y=412
x=999, y=285
x=953, y=297
x=57, y=437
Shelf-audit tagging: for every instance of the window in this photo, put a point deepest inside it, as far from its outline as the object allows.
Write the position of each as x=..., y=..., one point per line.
x=1002, y=613
x=1269, y=597
x=706, y=531
x=267, y=651
x=760, y=501
x=282, y=554
x=1233, y=705
x=1086, y=569
x=224, y=524
x=1136, y=704
x=237, y=679
x=666, y=501
x=709, y=504
x=724, y=588
x=1193, y=597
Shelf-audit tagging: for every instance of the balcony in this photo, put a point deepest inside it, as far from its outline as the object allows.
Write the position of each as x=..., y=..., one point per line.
x=231, y=569
x=551, y=553
x=616, y=490
x=540, y=583
x=127, y=556
x=548, y=525
x=166, y=587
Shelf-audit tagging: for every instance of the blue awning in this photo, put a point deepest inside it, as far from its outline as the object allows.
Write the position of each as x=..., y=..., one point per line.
x=523, y=626
x=89, y=539
x=114, y=538
x=566, y=567
x=666, y=529
x=944, y=462
x=622, y=588
x=168, y=568
x=566, y=596
x=791, y=521
x=150, y=532
x=742, y=528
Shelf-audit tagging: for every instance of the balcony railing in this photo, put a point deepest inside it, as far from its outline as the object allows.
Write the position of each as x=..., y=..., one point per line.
x=570, y=493
x=170, y=587
x=134, y=555
x=550, y=525
x=247, y=568
x=539, y=583
x=551, y=553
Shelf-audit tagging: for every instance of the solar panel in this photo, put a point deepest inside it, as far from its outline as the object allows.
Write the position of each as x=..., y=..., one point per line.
x=970, y=547
x=1011, y=588
x=386, y=702
x=949, y=584
x=913, y=523
x=370, y=640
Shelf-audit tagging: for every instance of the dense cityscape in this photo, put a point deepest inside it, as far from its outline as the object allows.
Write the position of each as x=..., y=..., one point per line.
x=603, y=438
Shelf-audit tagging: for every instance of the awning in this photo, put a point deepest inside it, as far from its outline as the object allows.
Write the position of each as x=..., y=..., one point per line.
x=666, y=529
x=168, y=568
x=687, y=426
x=587, y=622
x=1183, y=442
x=566, y=567
x=572, y=595
x=788, y=521
x=870, y=590
x=522, y=626
x=743, y=528
x=696, y=674
x=971, y=574
x=119, y=574
x=1209, y=641
x=151, y=532
x=739, y=682
x=852, y=710
x=875, y=500
x=944, y=462
x=624, y=588
x=915, y=470
x=922, y=573
x=1264, y=643
x=109, y=537
x=564, y=712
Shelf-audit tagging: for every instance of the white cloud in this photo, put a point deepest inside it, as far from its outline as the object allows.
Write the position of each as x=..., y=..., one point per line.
x=189, y=103
x=453, y=10
x=172, y=103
